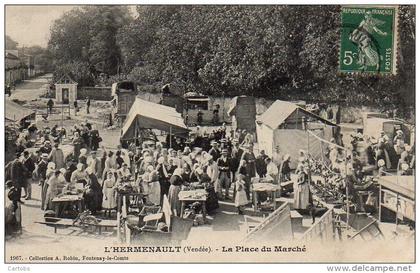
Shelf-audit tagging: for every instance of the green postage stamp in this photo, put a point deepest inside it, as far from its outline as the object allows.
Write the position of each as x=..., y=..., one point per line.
x=368, y=40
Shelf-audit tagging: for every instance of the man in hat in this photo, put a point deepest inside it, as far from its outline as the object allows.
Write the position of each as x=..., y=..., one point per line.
x=50, y=105
x=225, y=144
x=250, y=168
x=225, y=173
x=94, y=163
x=17, y=174
x=205, y=141
x=42, y=169
x=46, y=147
x=95, y=139
x=29, y=166
x=260, y=164
x=214, y=151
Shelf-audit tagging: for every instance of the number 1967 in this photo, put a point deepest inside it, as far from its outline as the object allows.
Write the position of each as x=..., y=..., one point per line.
x=15, y=258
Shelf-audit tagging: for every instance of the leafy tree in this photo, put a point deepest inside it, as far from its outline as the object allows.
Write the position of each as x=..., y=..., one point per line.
x=88, y=35
x=284, y=52
x=10, y=43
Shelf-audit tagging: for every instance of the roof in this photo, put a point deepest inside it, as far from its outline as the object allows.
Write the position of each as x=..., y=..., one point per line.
x=15, y=112
x=148, y=115
x=280, y=110
x=66, y=77
x=383, y=120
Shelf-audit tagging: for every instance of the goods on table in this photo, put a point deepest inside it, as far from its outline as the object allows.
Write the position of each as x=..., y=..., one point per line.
x=265, y=187
x=193, y=194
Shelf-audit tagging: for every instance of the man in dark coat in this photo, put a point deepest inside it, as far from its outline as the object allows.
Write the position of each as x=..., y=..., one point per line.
x=50, y=105
x=29, y=166
x=214, y=151
x=250, y=168
x=261, y=166
x=87, y=105
x=17, y=173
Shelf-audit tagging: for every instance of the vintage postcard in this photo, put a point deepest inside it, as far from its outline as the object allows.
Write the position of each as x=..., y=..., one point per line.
x=209, y=134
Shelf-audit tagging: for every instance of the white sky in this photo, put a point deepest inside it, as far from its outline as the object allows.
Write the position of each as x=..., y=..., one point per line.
x=30, y=25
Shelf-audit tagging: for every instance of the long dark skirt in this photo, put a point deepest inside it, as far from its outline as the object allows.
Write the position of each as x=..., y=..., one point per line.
x=174, y=199
x=164, y=188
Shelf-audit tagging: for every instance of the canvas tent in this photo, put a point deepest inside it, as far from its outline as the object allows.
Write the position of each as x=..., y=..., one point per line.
x=16, y=113
x=148, y=115
x=282, y=130
x=243, y=111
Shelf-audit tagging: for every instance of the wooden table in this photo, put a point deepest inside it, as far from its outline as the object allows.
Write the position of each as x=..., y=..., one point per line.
x=198, y=195
x=60, y=201
x=264, y=187
x=60, y=222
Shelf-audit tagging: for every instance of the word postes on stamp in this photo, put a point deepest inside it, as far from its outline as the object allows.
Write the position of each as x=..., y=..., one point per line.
x=368, y=40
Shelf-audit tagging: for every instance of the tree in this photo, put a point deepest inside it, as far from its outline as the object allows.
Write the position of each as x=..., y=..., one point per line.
x=88, y=35
x=279, y=52
x=10, y=43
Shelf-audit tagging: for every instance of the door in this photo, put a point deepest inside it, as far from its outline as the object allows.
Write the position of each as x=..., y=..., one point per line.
x=65, y=95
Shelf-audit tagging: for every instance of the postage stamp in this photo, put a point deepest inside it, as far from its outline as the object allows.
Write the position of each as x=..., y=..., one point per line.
x=368, y=40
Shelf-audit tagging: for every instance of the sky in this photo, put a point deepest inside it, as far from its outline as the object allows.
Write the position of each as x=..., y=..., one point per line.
x=30, y=25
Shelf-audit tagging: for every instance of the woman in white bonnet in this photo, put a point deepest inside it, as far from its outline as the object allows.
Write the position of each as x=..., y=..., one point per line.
x=109, y=191
x=382, y=167
x=151, y=179
x=49, y=173
x=79, y=175
x=405, y=169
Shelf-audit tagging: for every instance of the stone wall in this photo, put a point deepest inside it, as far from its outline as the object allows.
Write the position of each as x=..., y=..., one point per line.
x=94, y=93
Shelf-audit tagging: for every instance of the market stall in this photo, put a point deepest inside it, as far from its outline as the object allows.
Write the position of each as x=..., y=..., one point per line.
x=397, y=195
x=16, y=113
x=286, y=122
x=145, y=115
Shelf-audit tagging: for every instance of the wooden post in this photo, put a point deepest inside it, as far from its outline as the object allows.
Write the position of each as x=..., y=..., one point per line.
x=347, y=191
x=62, y=115
x=170, y=136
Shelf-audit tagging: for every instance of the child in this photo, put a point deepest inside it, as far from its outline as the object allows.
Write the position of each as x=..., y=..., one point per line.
x=240, y=196
x=109, y=201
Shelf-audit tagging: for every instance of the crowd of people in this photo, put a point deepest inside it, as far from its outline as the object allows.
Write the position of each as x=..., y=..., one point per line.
x=219, y=159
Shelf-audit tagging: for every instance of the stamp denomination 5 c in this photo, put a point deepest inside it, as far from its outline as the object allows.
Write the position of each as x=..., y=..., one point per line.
x=368, y=40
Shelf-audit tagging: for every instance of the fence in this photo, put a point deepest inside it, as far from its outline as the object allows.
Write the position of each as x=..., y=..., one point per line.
x=276, y=224
x=323, y=230
x=63, y=112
